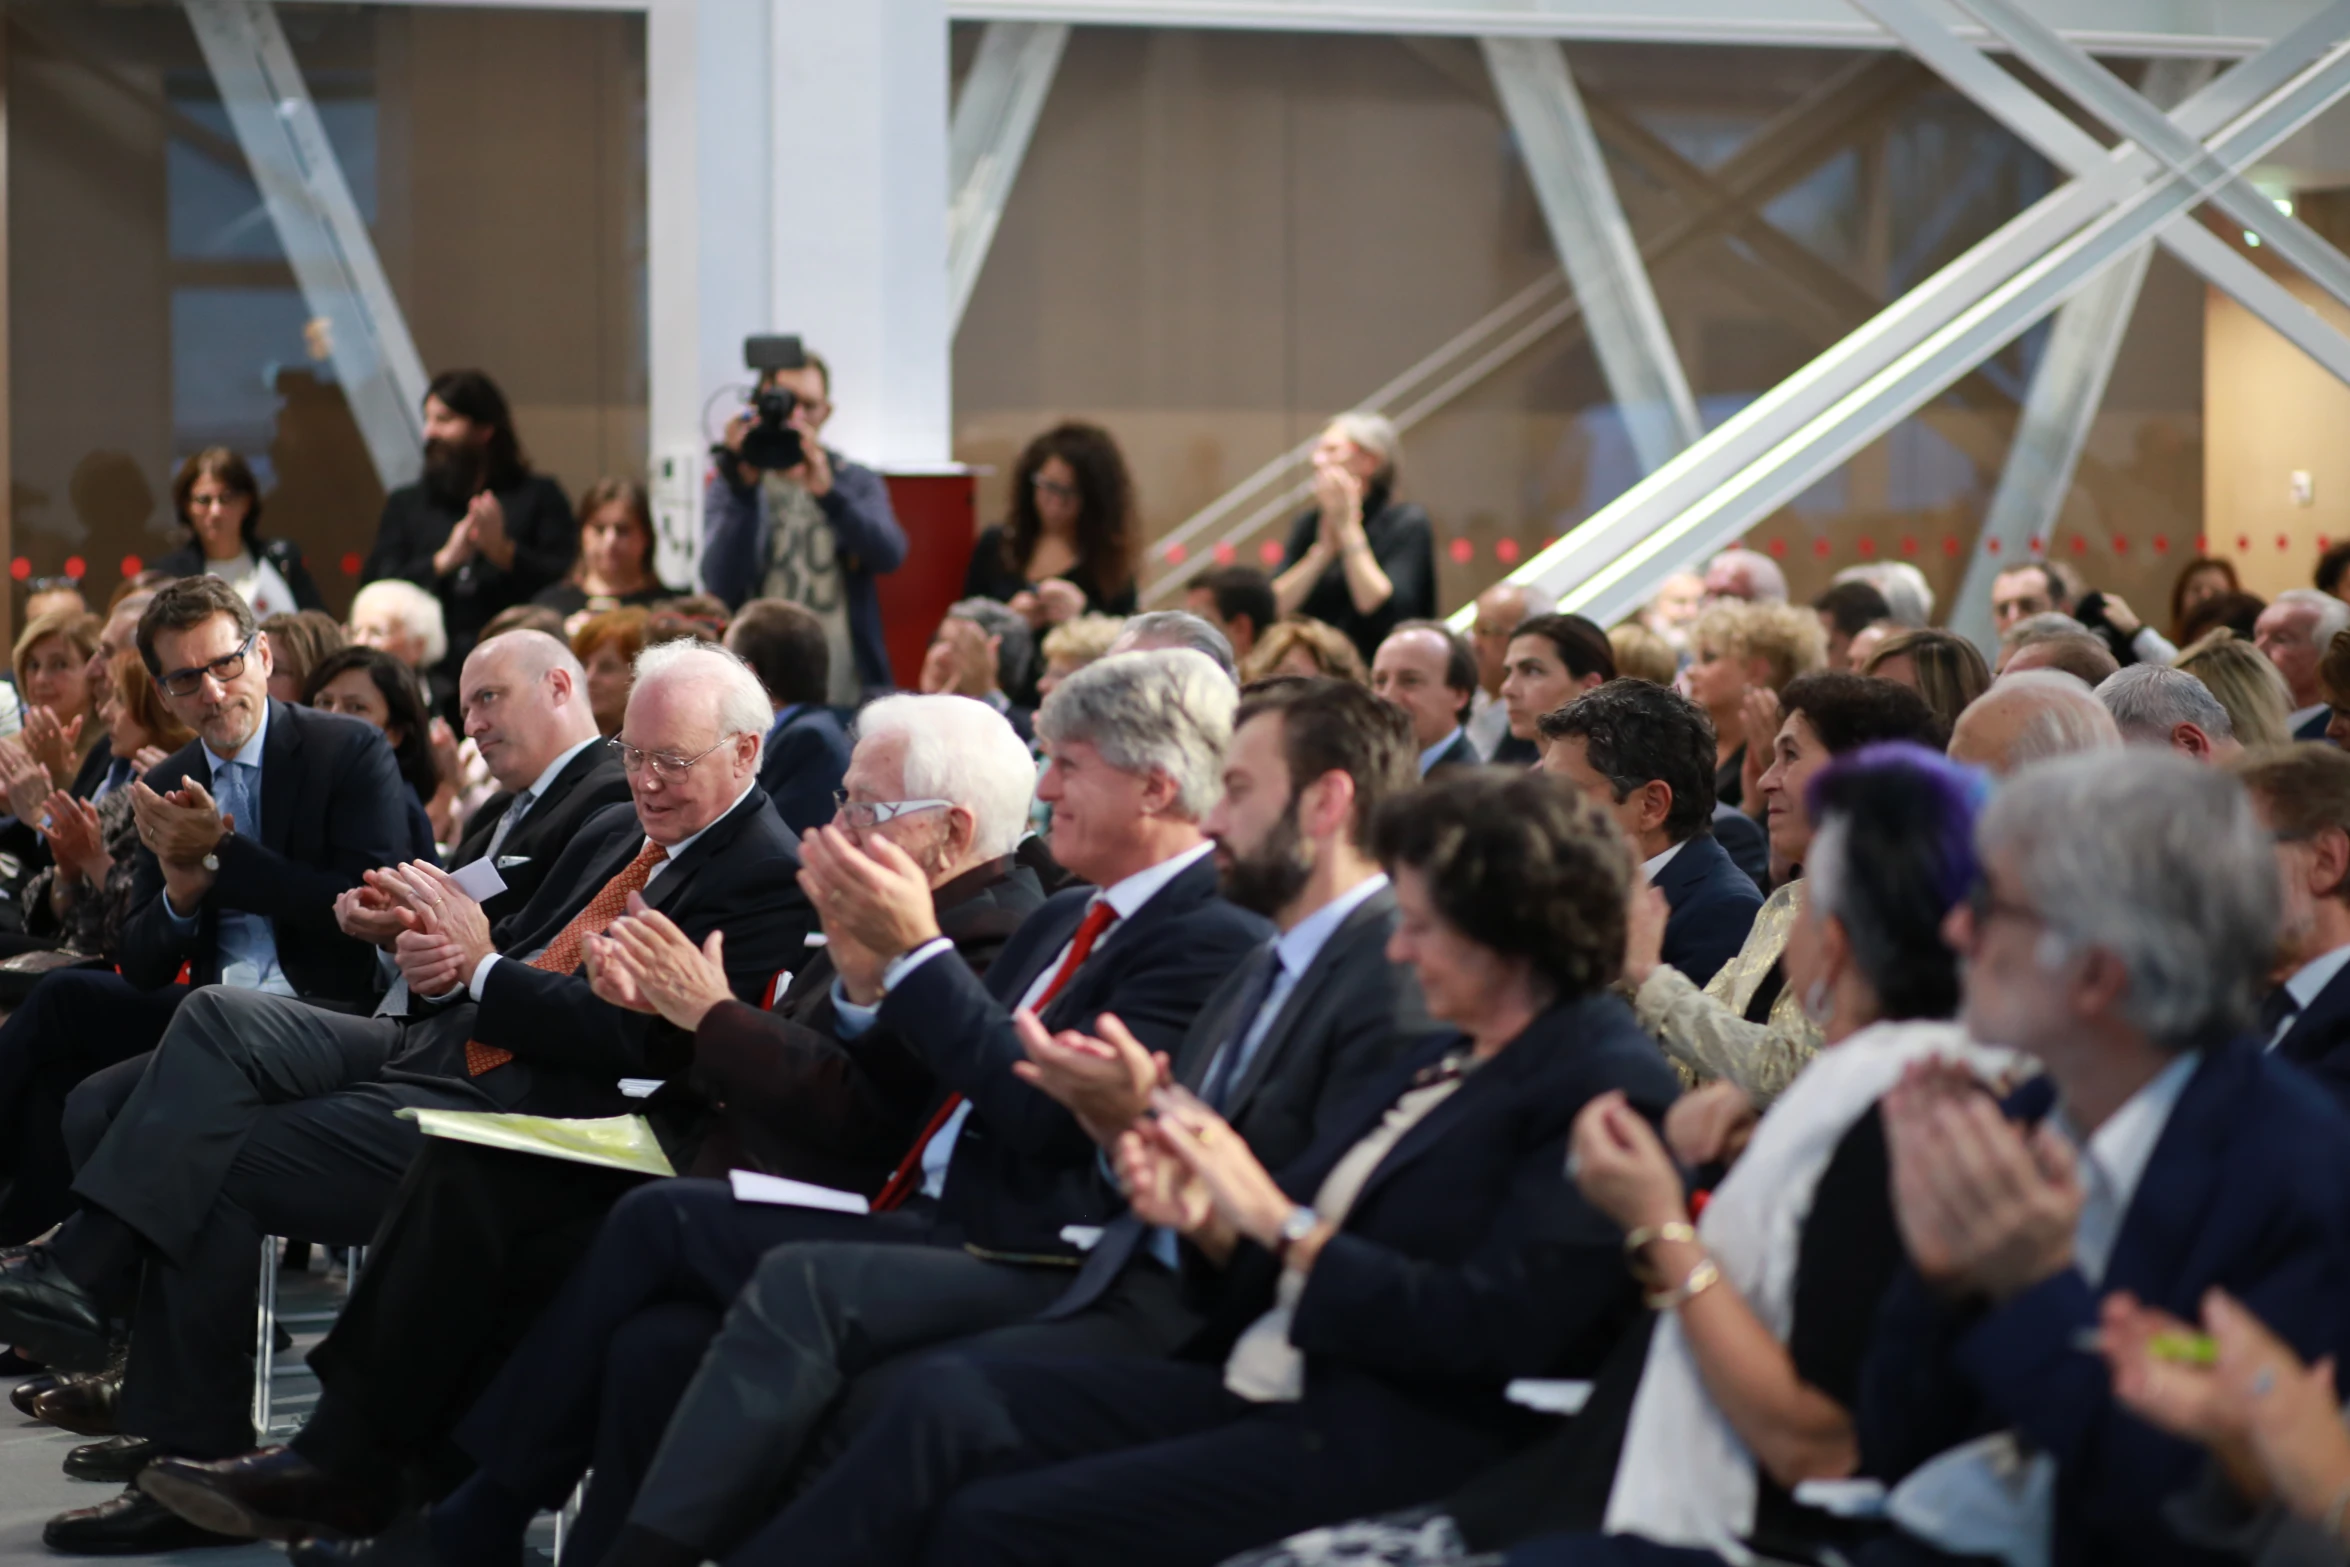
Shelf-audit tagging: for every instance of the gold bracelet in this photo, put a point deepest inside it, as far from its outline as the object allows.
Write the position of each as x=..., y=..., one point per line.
x=1701, y=1278
x=1640, y=1237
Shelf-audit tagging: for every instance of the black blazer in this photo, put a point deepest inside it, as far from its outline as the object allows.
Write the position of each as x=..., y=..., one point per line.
x=780, y=1092
x=1023, y=1169
x=1402, y=541
x=1468, y=1259
x=2319, y=1040
x=591, y=782
x=415, y=525
x=570, y=1049
x=2248, y=1189
x=283, y=556
x=1339, y=1030
x=1713, y=904
x=333, y=807
x=1458, y=754
x=2315, y=728
x=803, y=766
x=1744, y=840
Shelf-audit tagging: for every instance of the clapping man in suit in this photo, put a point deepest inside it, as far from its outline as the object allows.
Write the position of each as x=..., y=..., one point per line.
x=999, y=1169
x=2124, y=922
x=259, y=1115
x=1642, y=753
x=807, y=751
x=2303, y=797
x=1428, y=670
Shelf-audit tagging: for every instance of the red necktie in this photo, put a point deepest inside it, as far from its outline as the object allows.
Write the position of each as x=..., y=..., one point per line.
x=562, y=954
x=906, y=1179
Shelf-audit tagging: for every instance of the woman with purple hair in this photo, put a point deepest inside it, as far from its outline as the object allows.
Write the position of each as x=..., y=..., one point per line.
x=1699, y=1431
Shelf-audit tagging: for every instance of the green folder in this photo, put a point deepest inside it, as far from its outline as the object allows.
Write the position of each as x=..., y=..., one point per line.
x=617, y=1142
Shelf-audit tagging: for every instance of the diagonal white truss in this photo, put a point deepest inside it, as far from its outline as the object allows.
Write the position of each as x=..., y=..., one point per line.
x=318, y=224
x=1816, y=420
x=993, y=120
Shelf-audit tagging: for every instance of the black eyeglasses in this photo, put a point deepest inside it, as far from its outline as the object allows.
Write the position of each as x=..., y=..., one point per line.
x=187, y=682
x=1984, y=906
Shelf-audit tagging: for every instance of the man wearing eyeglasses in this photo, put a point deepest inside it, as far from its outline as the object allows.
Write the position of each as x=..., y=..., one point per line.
x=259, y=1115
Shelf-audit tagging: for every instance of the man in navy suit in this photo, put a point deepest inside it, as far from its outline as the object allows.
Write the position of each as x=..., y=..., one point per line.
x=1644, y=753
x=1429, y=671
x=807, y=751
x=2123, y=925
x=2303, y=798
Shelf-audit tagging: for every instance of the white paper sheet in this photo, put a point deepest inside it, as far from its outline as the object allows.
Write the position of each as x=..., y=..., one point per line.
x=479, y=881
x=784, y=1192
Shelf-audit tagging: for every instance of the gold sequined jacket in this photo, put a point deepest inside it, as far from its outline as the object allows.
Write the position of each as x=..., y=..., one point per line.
x=1705, y=1034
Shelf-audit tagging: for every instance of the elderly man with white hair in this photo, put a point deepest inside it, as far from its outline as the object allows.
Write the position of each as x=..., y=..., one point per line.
x=2156, y=706
x=2293, y=633
x=478, y=1242
x=1000, y=1173
x=406, y=622
x=260, y=1115
x=1358, y=558
x=1745, y=574
x=2029, y=717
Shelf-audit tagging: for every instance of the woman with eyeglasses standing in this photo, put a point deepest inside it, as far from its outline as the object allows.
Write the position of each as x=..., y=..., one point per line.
x=1069, y=546
x=219, y=503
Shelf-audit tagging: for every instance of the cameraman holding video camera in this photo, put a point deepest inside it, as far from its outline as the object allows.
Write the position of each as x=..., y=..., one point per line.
x=787, y=518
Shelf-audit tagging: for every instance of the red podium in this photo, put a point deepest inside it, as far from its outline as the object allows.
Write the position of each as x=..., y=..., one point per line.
x=938, y=508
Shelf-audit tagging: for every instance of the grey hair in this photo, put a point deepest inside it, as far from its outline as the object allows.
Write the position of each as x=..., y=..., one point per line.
x=1015, y=641
x=1909, y=598
x=743, y=708
x=2333, y=616
x=2148, y=701
x=1166, y=711
x=2041, y=628
x=2161, y=864
x=2069, y=719
x=410, y=605
x=1374, y=433
x=1172, y=628
x=960, y=749
x=1765, y=582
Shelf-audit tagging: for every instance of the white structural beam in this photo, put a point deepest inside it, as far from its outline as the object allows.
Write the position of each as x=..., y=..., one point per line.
x=1818, y=418
x=1595, y=246
x=2061, y=408
x=993, y=120
x=318, y=224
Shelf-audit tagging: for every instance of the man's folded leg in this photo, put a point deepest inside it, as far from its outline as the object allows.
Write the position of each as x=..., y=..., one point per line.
x=812, y=1318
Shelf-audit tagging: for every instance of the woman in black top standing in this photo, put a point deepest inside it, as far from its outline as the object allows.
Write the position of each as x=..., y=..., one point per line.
x=1069, y=548
x=1358, y=558
x=615, y=565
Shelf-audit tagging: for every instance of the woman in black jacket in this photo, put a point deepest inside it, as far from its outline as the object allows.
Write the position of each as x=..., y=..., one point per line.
x=219, y=503
x=1069, y=547
x=1359, y=559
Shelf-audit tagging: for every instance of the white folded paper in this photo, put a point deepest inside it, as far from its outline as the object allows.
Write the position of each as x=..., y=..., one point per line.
x=1548, y=1396
x=479, y=880
x=784, y=1192
x=640, y=1087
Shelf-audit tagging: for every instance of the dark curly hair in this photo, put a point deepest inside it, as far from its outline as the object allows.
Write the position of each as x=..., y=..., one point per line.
x=1105, y=515
x=1636, y=732
x=1850, y=711
x=1519, y=863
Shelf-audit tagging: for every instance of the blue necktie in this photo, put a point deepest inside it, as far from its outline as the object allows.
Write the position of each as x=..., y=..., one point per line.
x=1226, y=1067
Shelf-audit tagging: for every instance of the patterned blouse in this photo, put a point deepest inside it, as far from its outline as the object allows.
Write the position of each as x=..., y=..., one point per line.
x=1705, y=1033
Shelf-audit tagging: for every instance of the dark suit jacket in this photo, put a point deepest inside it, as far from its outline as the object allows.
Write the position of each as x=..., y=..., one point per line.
x=1023, y=1169
x=414, y=527
x=803, y=766
x=2248, y=1189
x=780, y=1092
x=332, y=808
x=570, y=1048
x=1746, y=842
x=1468, y=1259
x=591, y=782
x=2319, y=1040
x=1458, y=754
x=2315, y=728
x=1713, y=904
x=1341, y=1027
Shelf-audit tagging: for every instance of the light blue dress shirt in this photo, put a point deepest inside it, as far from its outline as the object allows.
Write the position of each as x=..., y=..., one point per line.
x=248, y=945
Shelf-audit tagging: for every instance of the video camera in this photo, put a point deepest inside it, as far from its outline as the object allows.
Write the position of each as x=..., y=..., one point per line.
x=771, y=443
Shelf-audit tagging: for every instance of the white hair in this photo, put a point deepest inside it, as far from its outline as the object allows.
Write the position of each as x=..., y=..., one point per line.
x=743, y=708
x=960, y=749
x=416, y=610
x=2162, y=864
x=1166, y=711
x=2333, y=616
x=1374, y=433
x=2148, y=701
x=1765, y=582
x=1909, y=598
x=2066, y=716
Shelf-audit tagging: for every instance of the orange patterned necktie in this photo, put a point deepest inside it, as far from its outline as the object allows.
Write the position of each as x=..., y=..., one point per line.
x=562, y=954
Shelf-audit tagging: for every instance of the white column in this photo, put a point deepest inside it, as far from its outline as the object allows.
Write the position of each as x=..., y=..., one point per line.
x=858, y=149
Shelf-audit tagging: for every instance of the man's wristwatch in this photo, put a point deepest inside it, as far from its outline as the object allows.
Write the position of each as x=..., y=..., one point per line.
x=1301, y=1223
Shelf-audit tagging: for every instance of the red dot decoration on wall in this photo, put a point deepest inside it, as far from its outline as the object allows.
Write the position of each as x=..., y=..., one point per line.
x=2284, y=542
x=76, y=567
x=2080, y=545
x=1505, y=551
x=1950, y=546
x=132, y=565
x=1177, y=554
x=1270, y=552
x=1462, y=551
x=1820, y=548
x=2162, y=544
x=2121, y=544
x=1778, y=547
x=350, y=565
x=1991, y=546
x=2243, y=544
x=1868, y=548
x=1224, y=554
x=2202, y=544
x=2324, y=543
x=1909, y=544
x=20, y=568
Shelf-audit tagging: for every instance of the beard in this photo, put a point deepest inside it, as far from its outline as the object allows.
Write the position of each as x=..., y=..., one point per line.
x=452, y=473
x=1269, y=877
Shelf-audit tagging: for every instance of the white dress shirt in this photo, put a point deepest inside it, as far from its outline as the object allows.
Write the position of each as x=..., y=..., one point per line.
x=1657, y=862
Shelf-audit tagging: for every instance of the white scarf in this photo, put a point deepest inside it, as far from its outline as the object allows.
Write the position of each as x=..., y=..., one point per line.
x=1685, y=1478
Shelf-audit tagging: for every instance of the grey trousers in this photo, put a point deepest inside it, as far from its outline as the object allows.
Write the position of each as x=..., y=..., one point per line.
x=256, y=1115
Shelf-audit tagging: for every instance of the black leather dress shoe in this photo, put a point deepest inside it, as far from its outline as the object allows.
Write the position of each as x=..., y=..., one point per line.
x=131, y=1524
x=273, y=1494
x=49, y=1316
x=83, y=1402
x=407, y=1543
x=25, y=1393
x=118, y=1459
